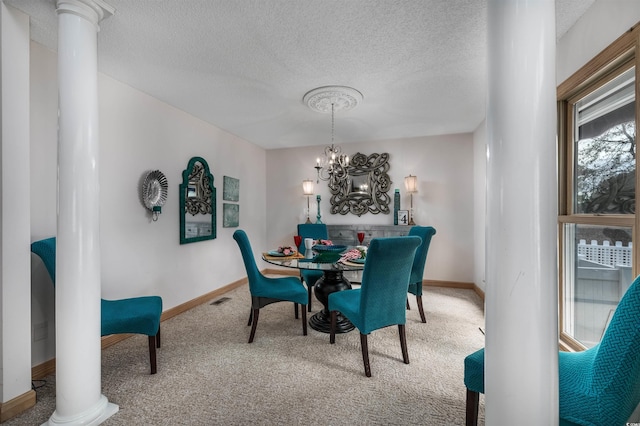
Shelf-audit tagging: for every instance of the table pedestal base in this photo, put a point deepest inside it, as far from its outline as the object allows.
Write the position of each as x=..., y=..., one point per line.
x=330, y=282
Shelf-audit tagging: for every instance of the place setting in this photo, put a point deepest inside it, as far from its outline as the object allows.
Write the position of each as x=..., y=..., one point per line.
x=282, y=252
x=355, y=256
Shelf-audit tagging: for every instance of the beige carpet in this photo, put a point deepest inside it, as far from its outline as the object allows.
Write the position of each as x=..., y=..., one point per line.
x=209, y=375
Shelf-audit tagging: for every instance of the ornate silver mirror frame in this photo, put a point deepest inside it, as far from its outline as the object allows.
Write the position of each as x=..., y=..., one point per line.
x=197, y=203
x=366, y=188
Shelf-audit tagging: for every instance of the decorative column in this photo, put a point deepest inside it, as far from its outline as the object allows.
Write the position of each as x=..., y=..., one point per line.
x=521, y=355
x=78, y=343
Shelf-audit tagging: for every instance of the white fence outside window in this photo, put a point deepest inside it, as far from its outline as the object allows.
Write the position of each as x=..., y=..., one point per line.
x=603, y=275
x=605, y=254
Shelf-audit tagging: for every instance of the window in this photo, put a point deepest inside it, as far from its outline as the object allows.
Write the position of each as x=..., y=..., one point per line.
x=597, y=221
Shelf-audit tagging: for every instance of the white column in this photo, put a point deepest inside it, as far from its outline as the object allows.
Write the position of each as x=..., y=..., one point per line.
x=521, y=358
x=78, y=358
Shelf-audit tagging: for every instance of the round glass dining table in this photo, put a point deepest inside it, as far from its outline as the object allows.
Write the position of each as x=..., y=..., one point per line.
x=331, y=281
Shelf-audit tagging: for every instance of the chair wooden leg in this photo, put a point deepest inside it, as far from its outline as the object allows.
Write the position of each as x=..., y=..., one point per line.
x=332, y=330
x=422, y=317
x=310, y=298
x=152, y=354
x=403, y=343
x=250, y=317
x=158, y=338
x=365, y=354
x=256, y=312
x=473, y=399
x=304, y=321
x=408, y=307
x=295, y=310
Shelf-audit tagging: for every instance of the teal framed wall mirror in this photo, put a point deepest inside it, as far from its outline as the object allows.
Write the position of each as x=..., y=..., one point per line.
x=197, y=203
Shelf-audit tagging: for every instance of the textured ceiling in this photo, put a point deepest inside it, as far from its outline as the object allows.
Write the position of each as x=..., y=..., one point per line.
x=245, y=65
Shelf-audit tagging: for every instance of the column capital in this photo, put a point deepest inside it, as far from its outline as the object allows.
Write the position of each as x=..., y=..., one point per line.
x=92, y=10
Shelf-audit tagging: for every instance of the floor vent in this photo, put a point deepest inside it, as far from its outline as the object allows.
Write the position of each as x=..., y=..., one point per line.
x=219, y=301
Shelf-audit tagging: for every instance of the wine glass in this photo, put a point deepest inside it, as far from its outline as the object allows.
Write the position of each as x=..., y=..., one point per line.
x=298, y=241
x=361, y=237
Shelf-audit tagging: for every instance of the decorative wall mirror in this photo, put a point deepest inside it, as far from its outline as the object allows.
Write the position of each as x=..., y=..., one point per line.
x=366, y=187
x=197, y=203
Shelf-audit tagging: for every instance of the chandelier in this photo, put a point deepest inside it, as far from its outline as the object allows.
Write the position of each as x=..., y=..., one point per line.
x=334, y=165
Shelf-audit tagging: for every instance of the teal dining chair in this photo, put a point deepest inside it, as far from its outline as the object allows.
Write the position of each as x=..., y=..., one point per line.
x=136, y=315
x=265, y=290
x=317, y=231
x=417, y=269
x=380, y=300
x=598, y=386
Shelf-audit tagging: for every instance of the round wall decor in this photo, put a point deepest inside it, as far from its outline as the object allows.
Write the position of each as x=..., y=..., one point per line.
x=154, y=192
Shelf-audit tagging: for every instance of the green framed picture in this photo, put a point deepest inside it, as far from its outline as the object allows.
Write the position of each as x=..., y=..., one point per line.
x=230, y=189
x=230, y=215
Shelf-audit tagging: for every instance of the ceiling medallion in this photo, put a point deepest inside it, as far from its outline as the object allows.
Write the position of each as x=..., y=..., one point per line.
x=342, y=98
x=334, y=165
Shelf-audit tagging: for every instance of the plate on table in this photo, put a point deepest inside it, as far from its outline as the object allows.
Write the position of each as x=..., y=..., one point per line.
x=360, y=261
x=277, y=253
x=329, y=249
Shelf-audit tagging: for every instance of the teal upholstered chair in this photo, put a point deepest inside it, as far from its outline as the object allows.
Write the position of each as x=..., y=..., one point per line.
x=417, y=270
x=317, y=231
x=380, y=300
x=598, y=386
x=265, y=290
x=137, y=315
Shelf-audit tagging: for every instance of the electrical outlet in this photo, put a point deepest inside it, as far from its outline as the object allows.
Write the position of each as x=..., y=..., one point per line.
x=40, y=331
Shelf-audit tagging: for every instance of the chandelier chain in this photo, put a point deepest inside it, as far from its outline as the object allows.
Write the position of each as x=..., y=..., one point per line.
x=332, y=123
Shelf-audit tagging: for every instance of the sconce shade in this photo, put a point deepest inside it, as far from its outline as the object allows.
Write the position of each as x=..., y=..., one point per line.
x=307, y=187
x=411, y=184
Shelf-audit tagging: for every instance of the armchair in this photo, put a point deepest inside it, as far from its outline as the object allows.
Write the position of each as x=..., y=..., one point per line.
x=598, y=386
x=417, y=270
x=380, y=300
x=265, y=290
x=138, y=315
x=316, y=231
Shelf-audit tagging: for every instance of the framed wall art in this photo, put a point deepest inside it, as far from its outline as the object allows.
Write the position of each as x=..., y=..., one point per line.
x=230, y=189
x=230, y=215
x=364, y=189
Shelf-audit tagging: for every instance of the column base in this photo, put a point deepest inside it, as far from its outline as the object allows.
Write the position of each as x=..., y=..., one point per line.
x=94, y=416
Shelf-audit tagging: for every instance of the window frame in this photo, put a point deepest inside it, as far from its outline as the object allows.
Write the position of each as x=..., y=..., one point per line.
x=618, y=57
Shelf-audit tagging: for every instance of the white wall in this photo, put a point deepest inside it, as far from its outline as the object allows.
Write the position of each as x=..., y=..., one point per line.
x=139, y=133
x=602, y=23
x=479, y=204
x=15, y=377
x=44, y=124
x=444, y=167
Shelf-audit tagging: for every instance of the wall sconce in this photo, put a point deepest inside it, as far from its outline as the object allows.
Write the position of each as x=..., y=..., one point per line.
x=153, y=192
x=307, y=189
x=411, y=185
